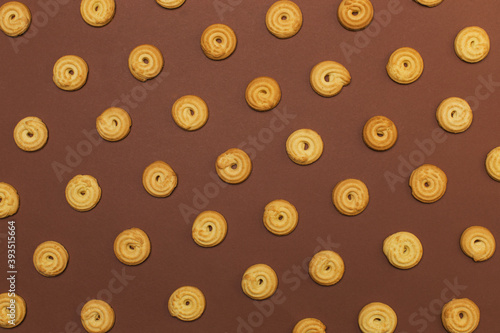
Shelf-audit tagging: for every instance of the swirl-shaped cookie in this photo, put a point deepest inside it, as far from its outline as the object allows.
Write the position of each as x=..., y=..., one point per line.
x=284, y=19
x=263, y=93
x=190, y=112
x=280, y=217
x=233, y=166
x=429, y=3
x=377, y=318
x=304, y=146
x=114, y=124
x=9, y=200
x=218, y=41
x=328, y=78
x=350, y=197
x=259, y=282
x=209, y=228
x=403, y=250
x=159, y=179
x=493, y=164
x=170, y=4
x=97, y=13
x=478, y=243
x=355, y=14
x=132, y=246
x=97, y=316
x=83, y=193
x=405, y=65
x=454, y=115
x=460, y=315
x=31, y=134
x=145, y=62
x=70, y=73
x=472, y=44
x=428, y=183
x=309, y=325
x=326, y=268
x=5, y=310
x=187, y=303
x=50, y=258
x=380, y=133
x=15, y=18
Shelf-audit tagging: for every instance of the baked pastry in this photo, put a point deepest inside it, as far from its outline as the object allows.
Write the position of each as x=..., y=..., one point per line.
x=209, y=228
x=5, y=303
x=429, y=3
x=326, y=268
x=114, y=124
x=377, y=318
x=83, y=193
x=460, y=315
x=233, y=166
x=218, y=41
x=403, y=250
x=190, y=112
x=170, y=4
x=304, y=146
x=478, y=243
x=187, y=303
x=97, y=316
x=50, y=258
x=405, y=65
x=159, y=179
x=454, y=115
x=428, y=183
x=328, y=78
x=132, y=246
x=70, y=73
x=472, y=44
x=350, y=197
x=97, y=13
x=284, y=19
x=31, y=134
x=145, y=62
x=355, y=14
x=309, y=325
x=263, y=93
x=15, y=18
x=493, y=164
x=259, y=282
x=9, y=200
x=380, y=133
x=280, y=217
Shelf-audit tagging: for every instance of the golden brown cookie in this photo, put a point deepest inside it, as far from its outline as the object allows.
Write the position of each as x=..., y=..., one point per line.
x=170, y=4
x=97, y=316
x=97, y=13
x=145, y=62
x=15, y=18
x=328, y=78
x=493, y=164
x=259, y=282
x=428, y=183
x=380, y=133
x=460, y=315
x=187, y=303
x=403, y=250
x=326, y=268
x=304, y=146
x=355, y=14
x=70, y=73
x=280, y=217
x=9, y=200
x=309, y=325
x=350, y=197
x=20, y=310
x=405, y=65
x=114, y=124
x=478, y=243
x=472, y=44
x=31, y=134
x=50, y=258
x=454, y=115
x=429, y=3
x=284, y=19
x=263, y=93
x=190, y=112
x=209, y=228
x=159, y=179
x=233, y=166
x=218, y=41
x=132, y=246
x=377, y=318
x=83, y=193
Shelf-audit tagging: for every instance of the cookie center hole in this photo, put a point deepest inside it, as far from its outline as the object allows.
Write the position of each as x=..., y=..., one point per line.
x=131, y=247
x=327, y=78
x=405, y=64
x=157, y=178
x=82, y=193
x=71, y=72
x=50, y=257
x=234, y=166
x=1, y=199
x=210, y=228
x=115, y=123
x=13, y=16
x=280, y=217
x=263, y=92
x=355, y=13
x=261, y=281
x=349, y=197
x=30, y=134
x=426, y=184
x=472, y=43
x=284, y=18
x=461, y=315
x=96, y=8
x=380, y=134
x=145, y=60
x=477, y=241
x=377, y=320
x=97, y=317
x=191, y=111
x=306, y=146
x=218, y=40
x=453, y=113
x=327, y=268
x=187, y=303
x=405, y=249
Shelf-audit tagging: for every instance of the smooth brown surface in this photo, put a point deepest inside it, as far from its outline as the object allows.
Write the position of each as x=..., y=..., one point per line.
x=26, y=89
